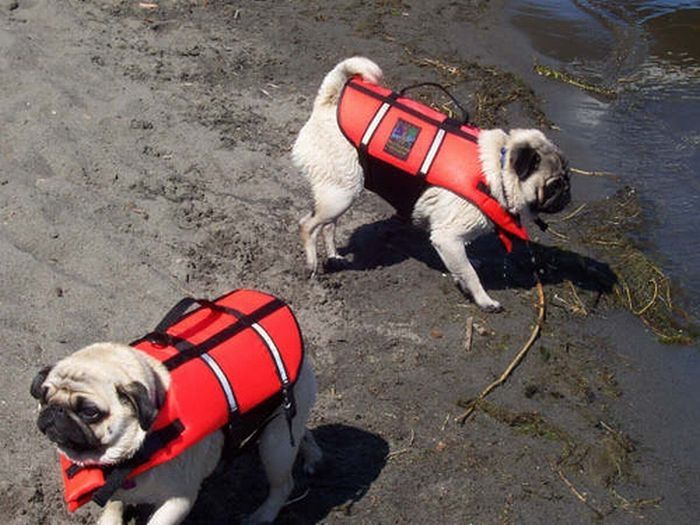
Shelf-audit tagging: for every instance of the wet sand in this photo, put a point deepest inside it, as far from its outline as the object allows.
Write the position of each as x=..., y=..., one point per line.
x=145, y=156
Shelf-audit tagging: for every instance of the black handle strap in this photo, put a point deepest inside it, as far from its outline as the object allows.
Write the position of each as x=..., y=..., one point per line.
x=465, y=113
x=160, y=335
x=178, y=311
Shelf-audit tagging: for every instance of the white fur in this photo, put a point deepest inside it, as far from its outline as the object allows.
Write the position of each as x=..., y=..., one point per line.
x=330, y=163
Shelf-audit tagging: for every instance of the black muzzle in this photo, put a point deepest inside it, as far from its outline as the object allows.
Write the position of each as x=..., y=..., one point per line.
x=555, y=195
x=58, y=425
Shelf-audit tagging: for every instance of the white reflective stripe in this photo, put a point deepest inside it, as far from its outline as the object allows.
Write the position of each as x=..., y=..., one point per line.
x=432, y=151
x=273, y=350
x=378, y=116
x=223, y=381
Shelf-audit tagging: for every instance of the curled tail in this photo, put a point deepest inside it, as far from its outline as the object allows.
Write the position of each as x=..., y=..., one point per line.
x=335, y=80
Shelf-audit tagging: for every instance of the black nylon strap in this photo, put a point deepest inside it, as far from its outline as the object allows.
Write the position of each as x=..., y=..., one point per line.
x=165, y=339
x=465, y=113
x=72, y=470
x=179, y=310
x=245, y=429
x=245, y=322
x=160, y=336
x=117, y=475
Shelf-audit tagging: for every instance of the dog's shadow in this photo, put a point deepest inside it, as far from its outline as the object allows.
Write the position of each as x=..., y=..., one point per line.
x=391, y=241
x=353, y=459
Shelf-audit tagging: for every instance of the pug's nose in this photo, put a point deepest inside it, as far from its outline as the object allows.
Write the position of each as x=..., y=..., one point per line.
x=47, y=417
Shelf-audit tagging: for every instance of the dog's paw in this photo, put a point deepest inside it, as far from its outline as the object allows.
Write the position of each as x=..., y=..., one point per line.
x=335, y=264
x=491, y=307
x=315, y=466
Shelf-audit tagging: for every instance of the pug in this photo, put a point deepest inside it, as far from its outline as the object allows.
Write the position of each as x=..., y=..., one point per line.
x=525, y=172
x=98, y=404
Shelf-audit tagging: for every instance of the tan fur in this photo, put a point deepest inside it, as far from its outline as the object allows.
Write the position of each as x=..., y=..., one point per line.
x=331, y=166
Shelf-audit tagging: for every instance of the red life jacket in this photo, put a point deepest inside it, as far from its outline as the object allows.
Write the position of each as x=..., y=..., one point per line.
x=405, y=146
x=230, y=360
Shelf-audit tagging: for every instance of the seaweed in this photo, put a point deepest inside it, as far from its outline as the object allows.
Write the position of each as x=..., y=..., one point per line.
x=567, y=78
x=642, y=287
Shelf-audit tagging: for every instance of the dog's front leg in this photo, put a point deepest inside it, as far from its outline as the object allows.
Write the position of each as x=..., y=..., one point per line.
x=113, y=514
x=173, y=511
x=450, y=247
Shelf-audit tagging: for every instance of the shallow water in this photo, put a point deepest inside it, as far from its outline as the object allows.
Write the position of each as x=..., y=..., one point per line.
x=650, y=134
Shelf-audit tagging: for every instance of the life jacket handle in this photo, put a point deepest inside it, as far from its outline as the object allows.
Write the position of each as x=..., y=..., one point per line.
x=178, y=311
x=465, y=113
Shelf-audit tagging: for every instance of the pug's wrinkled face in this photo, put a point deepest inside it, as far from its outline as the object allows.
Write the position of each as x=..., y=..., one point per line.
x=98, y=403
x=542, y=170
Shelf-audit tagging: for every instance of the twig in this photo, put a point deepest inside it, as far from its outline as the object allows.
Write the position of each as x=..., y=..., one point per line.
x=403, y=450
x=468, y=334
x=298, y=498
x=636, y=504
x=606, y=243
x=516, y=360
x=653, y=299
x=579, y=302
x=578, y=171
x=576, y=493
x=572, y=214
x=557, y=234
x=444, y=424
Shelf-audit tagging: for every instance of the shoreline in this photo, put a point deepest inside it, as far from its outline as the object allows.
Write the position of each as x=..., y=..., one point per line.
x=139, y=141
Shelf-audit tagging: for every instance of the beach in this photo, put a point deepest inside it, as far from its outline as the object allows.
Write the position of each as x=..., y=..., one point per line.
x=145, y=157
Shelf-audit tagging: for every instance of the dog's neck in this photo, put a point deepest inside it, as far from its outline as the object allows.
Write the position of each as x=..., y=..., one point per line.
x=493, y=152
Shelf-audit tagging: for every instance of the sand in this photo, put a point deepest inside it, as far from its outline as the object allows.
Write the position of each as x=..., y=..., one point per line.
x=145, y=156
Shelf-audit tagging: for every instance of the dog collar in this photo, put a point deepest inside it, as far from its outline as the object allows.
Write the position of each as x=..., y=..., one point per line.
x=504, y=152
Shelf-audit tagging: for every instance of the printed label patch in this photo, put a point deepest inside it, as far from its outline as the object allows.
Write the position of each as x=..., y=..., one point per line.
x=402, y=139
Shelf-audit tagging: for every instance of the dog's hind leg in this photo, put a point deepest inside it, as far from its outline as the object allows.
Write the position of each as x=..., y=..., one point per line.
x=329, y=239
x=330, y=203
x=276, y=451
x=450, y=246
x=277, y=456
x=310, y=453
x=173, y=511
x=113, y=513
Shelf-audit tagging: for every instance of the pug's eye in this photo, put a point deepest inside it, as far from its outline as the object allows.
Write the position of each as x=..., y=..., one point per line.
x=90, y=413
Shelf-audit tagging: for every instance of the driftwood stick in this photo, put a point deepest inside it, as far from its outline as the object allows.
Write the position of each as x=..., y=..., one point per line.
x=468, y=335
x=516, y=360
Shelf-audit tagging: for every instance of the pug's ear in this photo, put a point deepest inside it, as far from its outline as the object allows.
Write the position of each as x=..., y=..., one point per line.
x=524, y=160
x=136, y=394
x=38, y=390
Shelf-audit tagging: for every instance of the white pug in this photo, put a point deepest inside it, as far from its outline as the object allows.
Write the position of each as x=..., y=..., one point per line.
x=523, y=169
x=96, y=403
